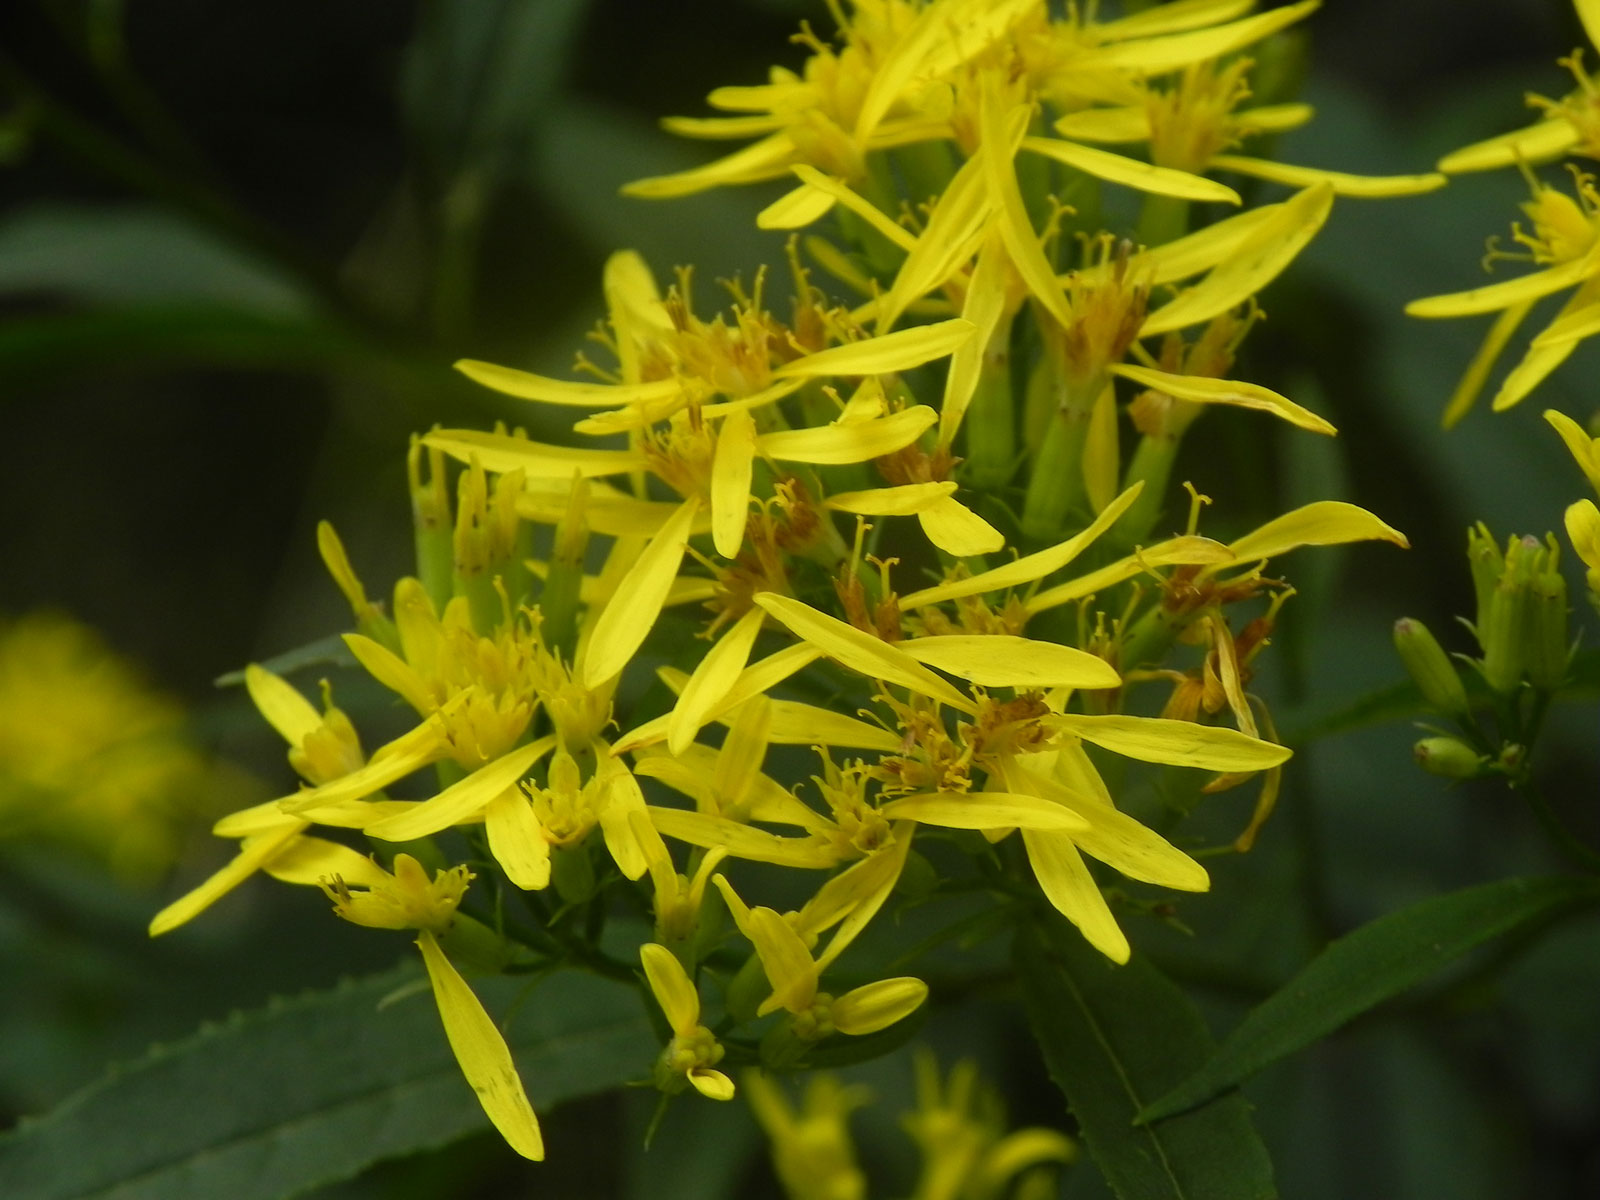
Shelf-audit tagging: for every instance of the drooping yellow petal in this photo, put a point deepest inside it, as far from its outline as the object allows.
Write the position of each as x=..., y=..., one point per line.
x=854, y=896
x=1186, y=550
x=878, y=1005
x=1528, y=374
x=1260, y=256
x=767, y=159
x=1582, y=520
x=849, y=442
x=517, y=841
x=713, y=677
x=1536, y=143
x=484, y=1057
x=1132, y=172
x=897, y=351
x=743, y=841
x=945, y=245
x=1320, y=523
x=785, y=959
x=631, y=612
x=956, y=529
x=411, y=751
x=670, y=985
x=253, y=853
x=1571, y=326
x=285, y=709
x=1584, y=449
x=1111, y=125
x=1158, y=55
x=1173, y=17
x=309, y=860
x=1016, y=230
x=621, y=804
x=901, y=501
x=1065, y=880
x=1341, y=182
x=796, y=208
x=983, y=810
x=1201, y=389
x=1179, y=743
x=501, y=453
x=1506, y=293
x=1000, y=660
x=527, y=386
x=465, y=799
x=755, y=679
x=731, y=470
x=860, y=651
x=1030, y=567
x=1483, y=361
x=985, y=305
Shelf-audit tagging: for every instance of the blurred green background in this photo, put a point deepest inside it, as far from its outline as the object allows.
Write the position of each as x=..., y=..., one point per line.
x=240, y=246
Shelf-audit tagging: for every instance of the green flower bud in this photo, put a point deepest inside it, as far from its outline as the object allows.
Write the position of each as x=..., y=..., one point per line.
x=1449, y=757
x=430, y=513
x=1486, y=563
x=1548, y=648
x=1430, y=668
x=1504, y=626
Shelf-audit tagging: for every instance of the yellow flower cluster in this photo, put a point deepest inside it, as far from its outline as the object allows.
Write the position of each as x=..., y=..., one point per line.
x=976, y=673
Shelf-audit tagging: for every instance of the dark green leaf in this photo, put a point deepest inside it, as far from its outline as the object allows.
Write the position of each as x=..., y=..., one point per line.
x=329, y=651
x=1114, y=1036
x=1379, y=960
x=309, y=1091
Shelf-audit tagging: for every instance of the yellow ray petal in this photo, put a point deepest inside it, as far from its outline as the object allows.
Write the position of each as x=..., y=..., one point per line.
x=812, y=178
x=1483, y=361
x=1132, y=172
x=1016, y=230
x=1254, y=262
x=1273, y=118
x=631, y=612
x=1065, y=880
x=484, y=1057
x=796, y=208
x=1528, y=374
x=389, y=669
x=718, y=128
x=527, y=386
x=670, y=985
x=1341, y=182
x=711, y=1083
x=1589, y=14
x=1507, y=292
x=785, y=959
x=1000, y=660
x=767, y=159
x=1030, y=567
x=956, y=529
x=1578, y=442
x=252, y=854
x=1203, y=390
x=517, y=841
x=1536, y=143
x=609, y=512
x=1187, y=550
x=731, y=470
x=878, y=1005
x=1571, y=325
x=500, y=453
x=285, y=709
x=310, y=860
x=1180, y=743
x=1158, y=55
x=621, y=803
x=464, y=799
x=984, y=810
x=713, y=677
x=860, y=651
x=985, y=305
x=1129, y=124
x=795, y=723
x=898, y=351
x=848, y=442
x=411, y=751
x=1321, y=523
x=945, y=245
x=743, y=841
x=1174, y=17
x=1206, y=247
x=901, y=501
x=757, y=678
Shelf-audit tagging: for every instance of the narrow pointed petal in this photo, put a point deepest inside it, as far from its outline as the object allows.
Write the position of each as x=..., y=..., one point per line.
x=713, y=677
x=1215, y=243
x=957, y=530
x=984, y=810
x=1065, y=880
x=621, y=804
x=743, y=841
x=1000, y=660
x=945, y=245
x=731, y=471
x=717, y=128
x=1179, y=743
x=389, y=669
x=465, y=799
x=527, y=386
x=860, y=651
x=1321, y=523
x=795, y=723
x=796, y=208
x=631, y=612
x=1030, y=567
x=1344, y=184
x=897, y=351
x=1176, y=16
x=1252, y=264
x=484, y=1057
x=1158, y=55
x=1111, y=125
x=1578, y=442
x=785, y=959
x=1506, y=293
x=1016, y=230
x=985, y=305
x=252, y=855
x=309, y=860
x=501, y=453
x=1536, y=143
x=849, y=442
x=878, y=1005
x=1589, y=14
x=853, y=897
x=767, y=159
x=670, y=985
x=901, y=501
x=1528, y=374
x=1273, y=118
x=738, y=764
x=1571, y=326
x=1132, y=172
x=1186, y=550
x=837, y=191
x=411, y=751
x=517, y=841
x=285, y=709
x=755, y=679
x=1204, y=390
x=1483, y=361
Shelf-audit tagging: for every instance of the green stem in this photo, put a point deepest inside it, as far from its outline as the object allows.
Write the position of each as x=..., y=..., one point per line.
x=1151, y=464
x=1162, y=219
x=1580, y=854
x=1055, y=483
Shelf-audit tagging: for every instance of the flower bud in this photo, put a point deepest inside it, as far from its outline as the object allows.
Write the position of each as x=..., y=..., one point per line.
x=1430, y=668
x=1505, y=621
x=1448, y=757
x=1548, y=647
x=430, y=513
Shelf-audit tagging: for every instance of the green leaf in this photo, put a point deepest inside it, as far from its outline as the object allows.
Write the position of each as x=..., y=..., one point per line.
x=1113, y=1036
x=309, y=1091
x=329, y=651
x=1377, y=961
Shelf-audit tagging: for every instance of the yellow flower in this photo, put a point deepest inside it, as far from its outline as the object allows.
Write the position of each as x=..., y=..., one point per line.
x=1585, y=449
x=409, y=900
x=693, y=1053
x=811, y=1148
x=1565, y=242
